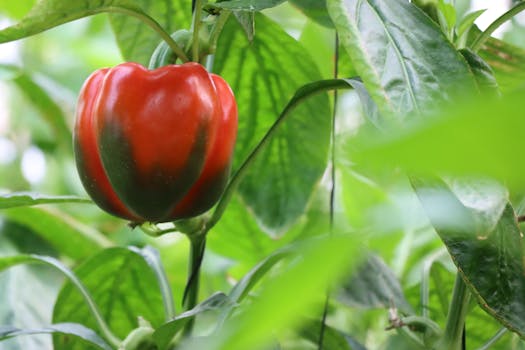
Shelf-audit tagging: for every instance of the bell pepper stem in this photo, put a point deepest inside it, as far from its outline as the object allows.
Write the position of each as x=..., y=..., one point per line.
x=217, y=29
x=302, y=94
x=457, y=312
x=197, y=12
x=480, y=40
x=191, y=292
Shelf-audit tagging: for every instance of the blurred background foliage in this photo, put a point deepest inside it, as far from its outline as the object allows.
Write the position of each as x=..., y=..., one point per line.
x=39, y=80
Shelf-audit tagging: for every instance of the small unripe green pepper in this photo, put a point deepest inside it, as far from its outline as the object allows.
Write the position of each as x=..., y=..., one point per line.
x=155, y=145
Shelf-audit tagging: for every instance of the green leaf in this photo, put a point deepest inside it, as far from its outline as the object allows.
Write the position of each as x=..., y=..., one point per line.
x=20, y=199
x=63, y=232
x=264, y=77
x=318, y=263
x=135, y=40
x=405, y=71
x=68, y=329
x=165, y=333
x=482, y=72
x=122, y=284
x=464, y=26
x=92, y=308
x=152, y=257
x=47, y=14
x=374, y=285
x=491, y=261
x=248, y=5
x=314, y=9
x=247, y=22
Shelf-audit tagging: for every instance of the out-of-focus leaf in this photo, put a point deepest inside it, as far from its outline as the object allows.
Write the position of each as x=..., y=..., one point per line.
x=165, y=333
x=68, y=329
x=405, y=71
x=314, y=9
x=332, y=338
x=63, y=232
x=491, y=261
x=256, y=323
x=49, y=109
x=136, y=40
x=16, y=9
x=21, y=199
x=264, y=77
x=122, y=284
x=374, y=285
x=480, y=138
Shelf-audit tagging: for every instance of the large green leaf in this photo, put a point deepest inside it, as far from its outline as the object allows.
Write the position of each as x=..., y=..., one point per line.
x=489, y=256
x=405, y=70
x=136, y=40
x=122, y=284
x=264, y=77
x=63, y=232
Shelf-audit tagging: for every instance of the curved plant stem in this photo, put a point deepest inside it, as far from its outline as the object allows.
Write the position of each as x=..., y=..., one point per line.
x=196, y=25
x=494, y=339
x=191, y=292
x=93, y=308
x=154, y=25
x=480, y=40
x=303, y=93
x=217, y=29
x=457, y=312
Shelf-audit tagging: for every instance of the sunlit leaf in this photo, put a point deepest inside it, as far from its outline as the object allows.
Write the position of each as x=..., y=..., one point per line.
x=491, y=261
x=405, y=71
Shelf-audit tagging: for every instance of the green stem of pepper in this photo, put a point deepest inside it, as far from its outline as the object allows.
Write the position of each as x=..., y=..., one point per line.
x=197, y=13
x=480, y=40
x=191, y=292
x=154, y=25
x=217, y=29
x=457, y=312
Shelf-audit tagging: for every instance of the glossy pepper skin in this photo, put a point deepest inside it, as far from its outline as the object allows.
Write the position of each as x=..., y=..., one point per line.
x=155, y=145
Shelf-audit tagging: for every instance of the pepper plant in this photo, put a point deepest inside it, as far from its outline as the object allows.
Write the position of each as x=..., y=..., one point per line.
x=302, y=174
